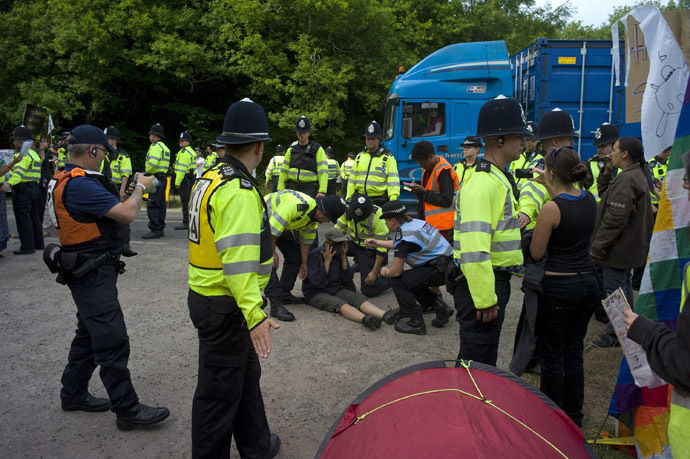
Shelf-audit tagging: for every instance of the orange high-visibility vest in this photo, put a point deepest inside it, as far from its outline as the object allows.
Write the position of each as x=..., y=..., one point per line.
x=440, y=218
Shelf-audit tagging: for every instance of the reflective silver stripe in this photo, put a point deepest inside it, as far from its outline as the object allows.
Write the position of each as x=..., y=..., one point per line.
x=244, y=134
x=378, y=174
x=280, y=219
x=505, y=246
x=476, y=226
x=440, y=210
x=237, y=240
x=474, y=257
x=275, y=231
x=18, y=168
x=507, y=224
x=528, y=194
x=265, y=269
x=308, y=231
x=240, y=267
x=456, y=244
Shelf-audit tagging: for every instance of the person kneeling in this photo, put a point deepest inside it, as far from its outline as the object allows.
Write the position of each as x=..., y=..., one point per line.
x=428, y=253
x=329, y=287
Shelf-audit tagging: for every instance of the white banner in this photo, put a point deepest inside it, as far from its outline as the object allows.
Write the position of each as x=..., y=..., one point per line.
x=666, y=81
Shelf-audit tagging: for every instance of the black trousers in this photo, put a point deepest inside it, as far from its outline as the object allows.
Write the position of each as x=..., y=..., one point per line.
x=185, y=193
x=412, y=291
x=100, y=339
x=479, y=340
x=289, y=245
x=157, y=206
x=562, y=318
x=27, y=204
x=366, y=258
x=332, y=187
x=227, y=401
x=308, y=188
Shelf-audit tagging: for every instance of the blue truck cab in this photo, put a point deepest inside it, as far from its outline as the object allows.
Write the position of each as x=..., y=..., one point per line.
x=439, y=100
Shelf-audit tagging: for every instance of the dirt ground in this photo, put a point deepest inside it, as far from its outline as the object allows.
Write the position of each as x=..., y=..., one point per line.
x=318, y=365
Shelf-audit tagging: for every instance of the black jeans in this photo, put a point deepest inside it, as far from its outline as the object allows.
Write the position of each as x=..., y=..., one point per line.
x=100, y=339
x=289, y=245
x=27, y=204
x=157, y=206
x=562, y=318
x=479, y=340
x=411, y=290
x=185, y=194
x=227, y=401
x=366, y=258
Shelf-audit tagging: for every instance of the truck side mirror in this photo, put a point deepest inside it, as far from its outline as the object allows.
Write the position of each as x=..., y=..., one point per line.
x=406, y=128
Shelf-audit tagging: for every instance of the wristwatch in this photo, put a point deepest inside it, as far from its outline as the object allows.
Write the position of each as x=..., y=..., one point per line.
x=143, y=188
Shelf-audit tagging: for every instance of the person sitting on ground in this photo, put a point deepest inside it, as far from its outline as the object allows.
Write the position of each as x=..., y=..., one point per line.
x=428, y=253
x=329, y=285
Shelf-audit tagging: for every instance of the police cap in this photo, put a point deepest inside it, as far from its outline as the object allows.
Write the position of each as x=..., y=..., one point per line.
x=303, y=125
x=158, y=130
x=351, y=154
x=501, y=116
x=393, y=209
x=605, y=134
x=332, y=206
x=361, y=206
x=22, y=133
x=245, y=122
x=185, y=135
x=472, y=141
x=373, y=130
x=556, y=123
x=111, y=132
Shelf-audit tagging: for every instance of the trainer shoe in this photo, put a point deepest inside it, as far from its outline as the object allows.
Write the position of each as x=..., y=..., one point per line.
x=371, y=322
x=87, y=402
x=141, y=416
x=606, y=340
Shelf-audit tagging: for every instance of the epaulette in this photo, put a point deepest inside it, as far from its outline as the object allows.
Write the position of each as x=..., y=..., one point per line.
x=302, y=207
x=227, y=172
x=539, y=164
x=123, y=153
x=483, y=166
x=398, y=234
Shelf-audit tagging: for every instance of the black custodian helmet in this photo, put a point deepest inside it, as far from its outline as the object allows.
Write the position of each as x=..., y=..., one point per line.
x=111, y=132
x=501, y=116
x=158, y=130
x=605, y=134
x=184, y=135
x=245, y=122
x=556, y=123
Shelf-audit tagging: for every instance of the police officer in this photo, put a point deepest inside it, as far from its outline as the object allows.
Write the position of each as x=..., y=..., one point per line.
x=421, y=246
x=362, y=220
x=185, y=167
x=92, y=225
x=157, y=163
x=556, y=129
x=375, y=172
x=604, y=138
x=658, y=167
x=121, y=165
x=529, y=154
x=305, y=167
x=291, y=212
x=346, y=170
x=333, y=171
x=439, y=184
x=274, y=167
x=471, y=147
x=62, y=150
x=487, y=234
x=27, y=201
x=229, y=264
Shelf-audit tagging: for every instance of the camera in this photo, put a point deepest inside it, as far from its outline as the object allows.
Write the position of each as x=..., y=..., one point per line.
x=132, y=183
x=523, y=173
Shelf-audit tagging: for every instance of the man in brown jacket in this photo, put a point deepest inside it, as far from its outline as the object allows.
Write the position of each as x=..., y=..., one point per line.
x=624, y=222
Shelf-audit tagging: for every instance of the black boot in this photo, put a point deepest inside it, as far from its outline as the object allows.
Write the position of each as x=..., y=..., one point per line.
x=391, y=316
x=86, y=402
x=274, y=446
x=279, y=312
x=371, y=322
x=443, y=312
x=141, y=416
x=415, y=327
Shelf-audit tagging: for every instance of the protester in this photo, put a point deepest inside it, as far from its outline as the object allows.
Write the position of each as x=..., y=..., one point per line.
x=624, y=222
x=570, y=291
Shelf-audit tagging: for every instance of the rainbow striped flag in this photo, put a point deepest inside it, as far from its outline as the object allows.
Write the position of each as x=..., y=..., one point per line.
x=645, y=410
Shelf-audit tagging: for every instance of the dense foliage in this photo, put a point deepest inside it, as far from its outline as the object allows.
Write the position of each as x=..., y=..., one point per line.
x=132, y=63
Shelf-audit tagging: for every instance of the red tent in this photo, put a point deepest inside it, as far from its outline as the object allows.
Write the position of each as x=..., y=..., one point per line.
x=430, y=410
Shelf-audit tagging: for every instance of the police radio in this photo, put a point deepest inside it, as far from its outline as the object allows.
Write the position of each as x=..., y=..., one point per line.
x=132, y=183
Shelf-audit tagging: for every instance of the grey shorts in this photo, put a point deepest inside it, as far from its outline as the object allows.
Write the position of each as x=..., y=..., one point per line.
x=333, y=303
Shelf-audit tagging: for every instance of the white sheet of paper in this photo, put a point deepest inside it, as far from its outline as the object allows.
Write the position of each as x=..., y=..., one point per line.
x=614, y=305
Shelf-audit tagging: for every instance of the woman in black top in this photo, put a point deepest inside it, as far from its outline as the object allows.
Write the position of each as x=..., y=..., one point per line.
x=563, y=230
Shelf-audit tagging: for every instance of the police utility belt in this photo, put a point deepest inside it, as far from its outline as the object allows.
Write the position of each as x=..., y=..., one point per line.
x=74, y=265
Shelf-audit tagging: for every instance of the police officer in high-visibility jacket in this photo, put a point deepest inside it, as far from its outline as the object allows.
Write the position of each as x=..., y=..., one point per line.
x=185, y=167
x=273, y=169
x=375, y=172
x=486, y=239
x=121, y=165
x=658, y=166
x=531, y=152
x=604, y=138
x=157, y=163
x=305, y=167
x=333, y=171
x=556, y=129
x=421, y=246
x=345, y=171
x=436, y=193
x=211, y=158
x=93, y=226
x=27, y=200
x=62, y=150
x=229, y=264
x=362, y=220
x=471, y=147
x=293, y=220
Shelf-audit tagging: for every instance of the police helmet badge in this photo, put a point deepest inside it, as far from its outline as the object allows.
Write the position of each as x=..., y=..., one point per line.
x=301, y=123
x=597, y=133
x=371, y=129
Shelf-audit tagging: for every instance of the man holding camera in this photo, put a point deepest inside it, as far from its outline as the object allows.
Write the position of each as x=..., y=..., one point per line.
x=92, y=226
x=157, y=163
